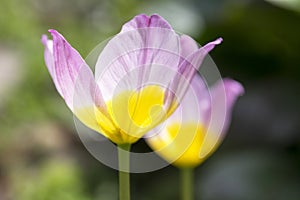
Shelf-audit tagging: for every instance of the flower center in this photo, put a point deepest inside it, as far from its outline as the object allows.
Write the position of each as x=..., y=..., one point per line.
x=135, y=112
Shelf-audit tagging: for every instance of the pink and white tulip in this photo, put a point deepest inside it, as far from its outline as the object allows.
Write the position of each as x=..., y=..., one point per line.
x=140, y=77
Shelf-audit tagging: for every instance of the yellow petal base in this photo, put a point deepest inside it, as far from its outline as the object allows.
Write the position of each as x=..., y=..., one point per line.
x=181, y=144
x=131, y=114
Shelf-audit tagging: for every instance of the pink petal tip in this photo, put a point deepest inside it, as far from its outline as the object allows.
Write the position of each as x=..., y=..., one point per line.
x=44, y=39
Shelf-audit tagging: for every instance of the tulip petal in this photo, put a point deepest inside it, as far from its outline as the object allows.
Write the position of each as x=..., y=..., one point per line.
x=143, y=21
x=64, y=64
x=49, y=60
x=89, y=106
x=225, y=93
x=188, y=46
x=193, y=62
x=129, y=57
x=194, y=106
x=179, y=139
x=223, y=96
x=74, y=80
x=187, y=68
x=195, y=103
x=187, y=138
x=67, y=63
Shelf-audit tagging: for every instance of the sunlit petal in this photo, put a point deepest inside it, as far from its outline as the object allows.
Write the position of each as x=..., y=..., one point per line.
x=128, y=59
x=186, y=70
x=143, y=21
x=74, y=80
x=188, y=46
x=49, y=60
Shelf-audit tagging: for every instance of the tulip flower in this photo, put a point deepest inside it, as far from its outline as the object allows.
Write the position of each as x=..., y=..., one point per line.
x=185, y=136
x=196, y=128
x=95, y=101
x=138, y=80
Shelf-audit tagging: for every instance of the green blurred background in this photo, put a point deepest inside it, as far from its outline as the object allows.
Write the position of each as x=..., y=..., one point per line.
x=41, y=156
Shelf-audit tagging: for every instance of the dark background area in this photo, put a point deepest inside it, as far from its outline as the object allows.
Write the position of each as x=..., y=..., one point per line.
x=41, y=156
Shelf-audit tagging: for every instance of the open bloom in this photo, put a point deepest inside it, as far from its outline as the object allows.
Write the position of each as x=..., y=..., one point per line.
x=136, y=77
x=198, y=125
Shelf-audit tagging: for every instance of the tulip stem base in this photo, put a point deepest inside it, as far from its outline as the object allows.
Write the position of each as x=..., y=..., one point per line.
x=187, y=183
x=124, y=171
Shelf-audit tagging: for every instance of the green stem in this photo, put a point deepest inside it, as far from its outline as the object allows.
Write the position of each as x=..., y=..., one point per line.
x=124, y=174
x=187, y=183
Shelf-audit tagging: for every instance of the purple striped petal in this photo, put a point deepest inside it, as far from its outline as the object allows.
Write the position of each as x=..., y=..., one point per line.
x=187, y=68
x=193, y=62
x=195, y=104
x=143, y=21
x=129, y=58
x=63, y=63
x=74, y=80
x=208, y=47
x=223, y=96
x=188, y=46
x=193, y=107
x=70, y=72
x=225, y=93
x=49, y=60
